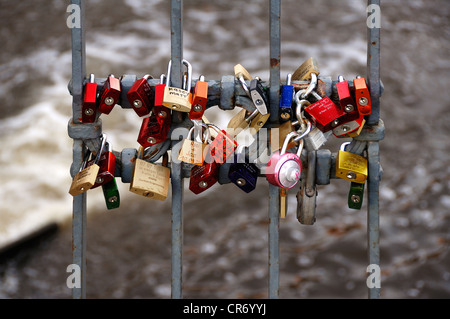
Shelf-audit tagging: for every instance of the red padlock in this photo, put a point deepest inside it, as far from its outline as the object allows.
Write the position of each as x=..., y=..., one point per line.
x=141, y=96
x=199, y=99
x=89, y=107
x=348, y=127
x=324, y=114
x=222, y=146
x=203, y=177
x=154, y=128
x=109, y=95
x=106, y=160
x=346, y=100
x=159, y=92
x=362, y=96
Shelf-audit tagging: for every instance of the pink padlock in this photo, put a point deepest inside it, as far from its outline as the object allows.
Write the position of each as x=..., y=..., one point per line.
x=285, y=169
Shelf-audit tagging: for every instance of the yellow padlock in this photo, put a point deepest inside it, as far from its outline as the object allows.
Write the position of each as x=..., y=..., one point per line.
x=350, y=166
x=150, y=180
x=178, y=99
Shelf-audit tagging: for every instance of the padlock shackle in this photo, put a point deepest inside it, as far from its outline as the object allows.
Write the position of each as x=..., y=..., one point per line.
x=341, y=78
x=343, y=145
x=161, y=78
x=288, y=137
x=187, y=85
x=244, y=85
x=85, y=159
x=100, y=151
x=169, y=68
x=289, y=79
x=208, y=136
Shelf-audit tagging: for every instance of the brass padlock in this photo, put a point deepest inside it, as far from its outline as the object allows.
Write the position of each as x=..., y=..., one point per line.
x=350, y=166
x=87, y=176
x=150, y=180
x=178, y=99
x=193, y=152
x=303, y=73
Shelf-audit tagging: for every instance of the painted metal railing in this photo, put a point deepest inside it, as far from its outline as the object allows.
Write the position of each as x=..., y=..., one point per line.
x=88, y=135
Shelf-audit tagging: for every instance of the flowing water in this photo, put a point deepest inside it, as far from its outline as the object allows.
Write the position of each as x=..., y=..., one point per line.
x=225, y=229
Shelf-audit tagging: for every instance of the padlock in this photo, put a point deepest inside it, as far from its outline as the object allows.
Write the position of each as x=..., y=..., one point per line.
x=87, y=176
x=356, y=132
x=304, y=71
x=111, y=194
x=324, y=114
x=89, y=106
x=258, y=95
x=159, y=91
x=193, y=152
x=203, y=177
x=155, y=128
x=242, y=74
x=199, y=99
x=107, y=164
x=284, y=169
x=350, y=166
x=346, y=100
x=150, y=180
x=356, y=195
x=286, y=98
x=222, y=146
x=178, y=99
x=141, y=96
x=242, y=173
x=346, y=129
x=109, y=95
x=362, y=96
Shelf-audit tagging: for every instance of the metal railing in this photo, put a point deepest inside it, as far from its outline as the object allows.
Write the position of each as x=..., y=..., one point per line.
x=88, y=135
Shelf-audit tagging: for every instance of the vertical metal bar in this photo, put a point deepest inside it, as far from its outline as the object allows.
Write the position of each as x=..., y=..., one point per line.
x=373, y=220
x=274, y=192
x=373, y=62
x=275, y=58
x=78, y=61
x=274, y=247
x=374, y=83
x=176, y=25
x=79, y=202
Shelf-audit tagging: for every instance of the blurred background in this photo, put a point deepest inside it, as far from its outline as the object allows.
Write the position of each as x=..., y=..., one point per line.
x=225, y=229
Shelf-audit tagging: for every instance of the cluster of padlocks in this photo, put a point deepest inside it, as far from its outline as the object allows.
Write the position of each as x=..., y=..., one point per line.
x=307, y=118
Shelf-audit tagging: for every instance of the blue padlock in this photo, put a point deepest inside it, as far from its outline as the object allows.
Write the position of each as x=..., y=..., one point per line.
x=286, y=98
x=243, y=174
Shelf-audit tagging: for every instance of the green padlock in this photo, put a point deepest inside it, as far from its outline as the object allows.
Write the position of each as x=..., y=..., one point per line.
x=111, y=193
x=355, y=195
